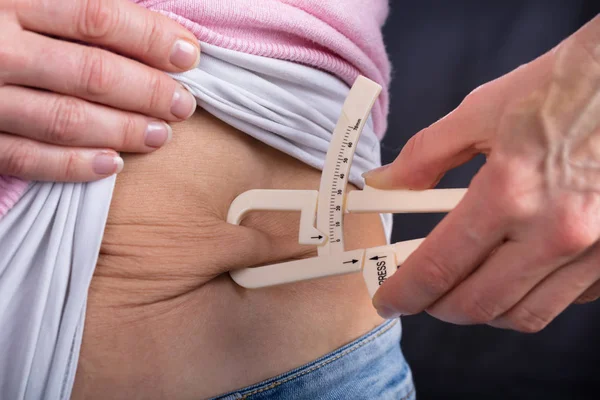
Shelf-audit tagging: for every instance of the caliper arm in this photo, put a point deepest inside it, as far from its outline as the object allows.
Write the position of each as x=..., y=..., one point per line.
x=377, y=264
x=304, y=201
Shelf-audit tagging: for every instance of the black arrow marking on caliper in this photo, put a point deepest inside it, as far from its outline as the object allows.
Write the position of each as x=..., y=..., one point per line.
x=377, y=257
x=316, y=237
x=353, y=262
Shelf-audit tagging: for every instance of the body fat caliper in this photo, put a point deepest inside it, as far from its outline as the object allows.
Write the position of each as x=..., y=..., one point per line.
x=327, y=207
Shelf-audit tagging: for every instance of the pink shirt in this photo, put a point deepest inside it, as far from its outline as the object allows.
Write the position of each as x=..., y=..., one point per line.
x=342, y=37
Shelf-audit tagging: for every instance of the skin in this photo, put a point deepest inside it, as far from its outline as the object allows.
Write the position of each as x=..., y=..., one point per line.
x=63, y=69
x=164, y=319
x=523, y=244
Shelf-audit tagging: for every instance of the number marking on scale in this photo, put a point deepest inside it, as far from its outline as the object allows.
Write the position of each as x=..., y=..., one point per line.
x=334, y=179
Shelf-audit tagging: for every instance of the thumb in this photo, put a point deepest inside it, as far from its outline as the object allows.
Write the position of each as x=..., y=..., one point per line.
x=448, y=143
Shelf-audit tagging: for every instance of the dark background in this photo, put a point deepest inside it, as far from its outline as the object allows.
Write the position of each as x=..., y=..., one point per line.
x=441, y=50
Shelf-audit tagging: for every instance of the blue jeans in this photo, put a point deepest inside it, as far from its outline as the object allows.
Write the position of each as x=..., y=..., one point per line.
x=372, y=367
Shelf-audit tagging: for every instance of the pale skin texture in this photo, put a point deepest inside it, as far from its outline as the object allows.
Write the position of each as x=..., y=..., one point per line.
x=165, y=320
x=64, y=66
x=523, y=244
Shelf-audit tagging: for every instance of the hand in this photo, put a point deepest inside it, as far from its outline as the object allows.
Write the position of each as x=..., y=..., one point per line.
x=523, y=243
x=66, y=103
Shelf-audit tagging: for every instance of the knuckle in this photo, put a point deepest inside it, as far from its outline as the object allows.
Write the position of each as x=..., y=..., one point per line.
x=480, y=311
x=573, y=232
x=529, y=321
x=128, y=134
x=435, y=277
x=514, y=196
x=152, y=38
x=97, y=19
x=569, y=240
x=499, y=183
x=20, y=159
x=158, y=90
x=67, y=118
x=517, y=206
x=68, y=165
x=96, y=77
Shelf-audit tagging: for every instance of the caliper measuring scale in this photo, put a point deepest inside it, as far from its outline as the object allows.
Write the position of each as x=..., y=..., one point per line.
x=328, y=205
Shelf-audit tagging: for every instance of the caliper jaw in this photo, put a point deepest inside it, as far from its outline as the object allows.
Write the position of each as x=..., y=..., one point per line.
x=304, y=201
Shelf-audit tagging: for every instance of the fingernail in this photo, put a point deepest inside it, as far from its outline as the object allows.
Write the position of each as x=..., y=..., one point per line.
x=107, y=164
x=158, y=134
x=387, y=312
x=374, y=174
x=184, y=104
x=184, y=55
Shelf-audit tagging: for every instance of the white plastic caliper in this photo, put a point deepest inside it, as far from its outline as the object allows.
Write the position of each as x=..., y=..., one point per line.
x=331, y=202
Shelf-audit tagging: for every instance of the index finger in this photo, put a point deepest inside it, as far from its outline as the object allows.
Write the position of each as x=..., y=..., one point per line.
x=117, y=25
x=455, y=248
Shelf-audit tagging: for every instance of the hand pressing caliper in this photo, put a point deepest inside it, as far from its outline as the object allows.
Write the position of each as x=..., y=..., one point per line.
x=327, y=207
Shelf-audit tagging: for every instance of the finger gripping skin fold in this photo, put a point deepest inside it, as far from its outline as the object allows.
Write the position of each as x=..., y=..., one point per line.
x=327, y=206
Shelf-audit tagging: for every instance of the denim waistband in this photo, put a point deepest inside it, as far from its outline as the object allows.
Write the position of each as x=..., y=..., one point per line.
x=371, y=367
